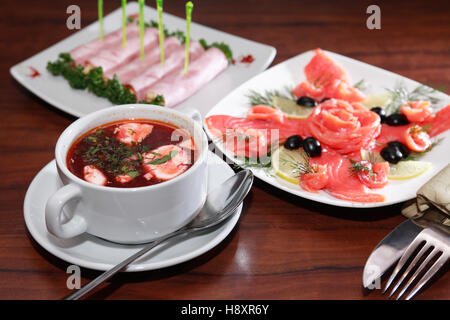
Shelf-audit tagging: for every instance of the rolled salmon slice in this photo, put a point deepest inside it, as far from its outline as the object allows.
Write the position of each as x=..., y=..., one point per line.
x=155, y=164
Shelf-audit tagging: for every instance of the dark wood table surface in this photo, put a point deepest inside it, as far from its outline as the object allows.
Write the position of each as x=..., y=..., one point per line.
x=284, y=247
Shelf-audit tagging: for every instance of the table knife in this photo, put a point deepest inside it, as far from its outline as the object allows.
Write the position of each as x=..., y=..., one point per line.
x=387, y=252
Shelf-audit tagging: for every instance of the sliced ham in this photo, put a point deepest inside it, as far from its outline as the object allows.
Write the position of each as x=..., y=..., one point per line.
x=174, y=61
x=176, y=86
x=135, y=67
x=81, y=53
x=93, y=175
x=113, y=57
x=132, y=132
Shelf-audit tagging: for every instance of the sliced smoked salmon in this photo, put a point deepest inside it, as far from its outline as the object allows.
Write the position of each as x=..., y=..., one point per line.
x=315, y=180
x=265, y=113
x=342, y=184
x=417, y=111
x=342, y=126
x=252, y=137
x=326, y=79
x=441, y=122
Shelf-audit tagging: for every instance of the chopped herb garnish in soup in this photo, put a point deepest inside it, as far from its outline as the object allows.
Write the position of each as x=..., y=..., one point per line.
x=131, y=153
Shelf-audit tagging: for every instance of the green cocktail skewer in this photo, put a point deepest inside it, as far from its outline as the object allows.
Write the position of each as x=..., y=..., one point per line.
x=141, y=28
x=189, y=7
x=100, y=18
x=124, y=24
x=159, y=7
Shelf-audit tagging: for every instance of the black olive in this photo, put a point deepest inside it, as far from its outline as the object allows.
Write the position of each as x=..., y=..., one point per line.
x=380, y=111
x=293, y=142
x=396, y=119
x=306, y=102
x=312, y=147
x=391, y=154
x=400, y=146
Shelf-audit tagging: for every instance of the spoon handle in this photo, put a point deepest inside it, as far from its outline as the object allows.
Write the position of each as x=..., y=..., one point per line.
x=109, y=273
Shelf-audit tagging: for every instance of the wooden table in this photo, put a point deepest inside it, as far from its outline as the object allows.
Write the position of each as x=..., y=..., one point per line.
x=284, y=247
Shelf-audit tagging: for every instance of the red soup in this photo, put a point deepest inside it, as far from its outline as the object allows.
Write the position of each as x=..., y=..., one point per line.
x=131, y=153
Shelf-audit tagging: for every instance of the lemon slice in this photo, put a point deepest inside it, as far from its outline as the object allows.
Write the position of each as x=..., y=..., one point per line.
x=407, y=169
x=378, y=100
x=285, y=164
x=371, y=156
x=291, y=108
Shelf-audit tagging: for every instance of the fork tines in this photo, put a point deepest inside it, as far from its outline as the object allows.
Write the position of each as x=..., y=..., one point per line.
x=429, y=245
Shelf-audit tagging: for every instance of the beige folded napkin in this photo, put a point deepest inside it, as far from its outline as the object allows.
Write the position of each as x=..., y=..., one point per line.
x=432, y=205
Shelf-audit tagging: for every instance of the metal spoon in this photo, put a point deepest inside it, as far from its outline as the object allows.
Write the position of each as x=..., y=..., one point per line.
x=220, y=204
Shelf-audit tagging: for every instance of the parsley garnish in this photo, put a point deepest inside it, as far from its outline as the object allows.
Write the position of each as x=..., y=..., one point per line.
x=79, y=78
x=164, y=159
x=112, y=156
x=221, y=46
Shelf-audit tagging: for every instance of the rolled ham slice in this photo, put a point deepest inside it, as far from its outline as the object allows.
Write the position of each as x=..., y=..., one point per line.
x=176, y=87
x=135, y=68
x=112, y=58
x=81, y=53
x=142, y=83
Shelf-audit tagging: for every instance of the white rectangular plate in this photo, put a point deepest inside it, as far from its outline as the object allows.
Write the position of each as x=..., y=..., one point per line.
x=57, y=92
x=290, y=73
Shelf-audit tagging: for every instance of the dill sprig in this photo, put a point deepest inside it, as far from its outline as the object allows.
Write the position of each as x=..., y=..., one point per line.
x=263, y=163
x=266, y=97
x=416, y=128
x=299, y=168
x=358, y=167
x=164, y=159
x=400, y=96
x=362, y=85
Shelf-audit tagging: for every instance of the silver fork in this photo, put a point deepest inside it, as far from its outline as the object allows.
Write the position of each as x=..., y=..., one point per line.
x=435, y=242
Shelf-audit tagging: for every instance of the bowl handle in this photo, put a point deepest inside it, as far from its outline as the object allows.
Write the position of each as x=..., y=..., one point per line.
x=53, y=213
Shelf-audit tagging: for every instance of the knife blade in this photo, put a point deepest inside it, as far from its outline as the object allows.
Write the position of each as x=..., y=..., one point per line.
x=387, y=252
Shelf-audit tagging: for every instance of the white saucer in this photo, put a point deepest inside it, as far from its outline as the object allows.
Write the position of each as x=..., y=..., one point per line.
x=91, y=252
